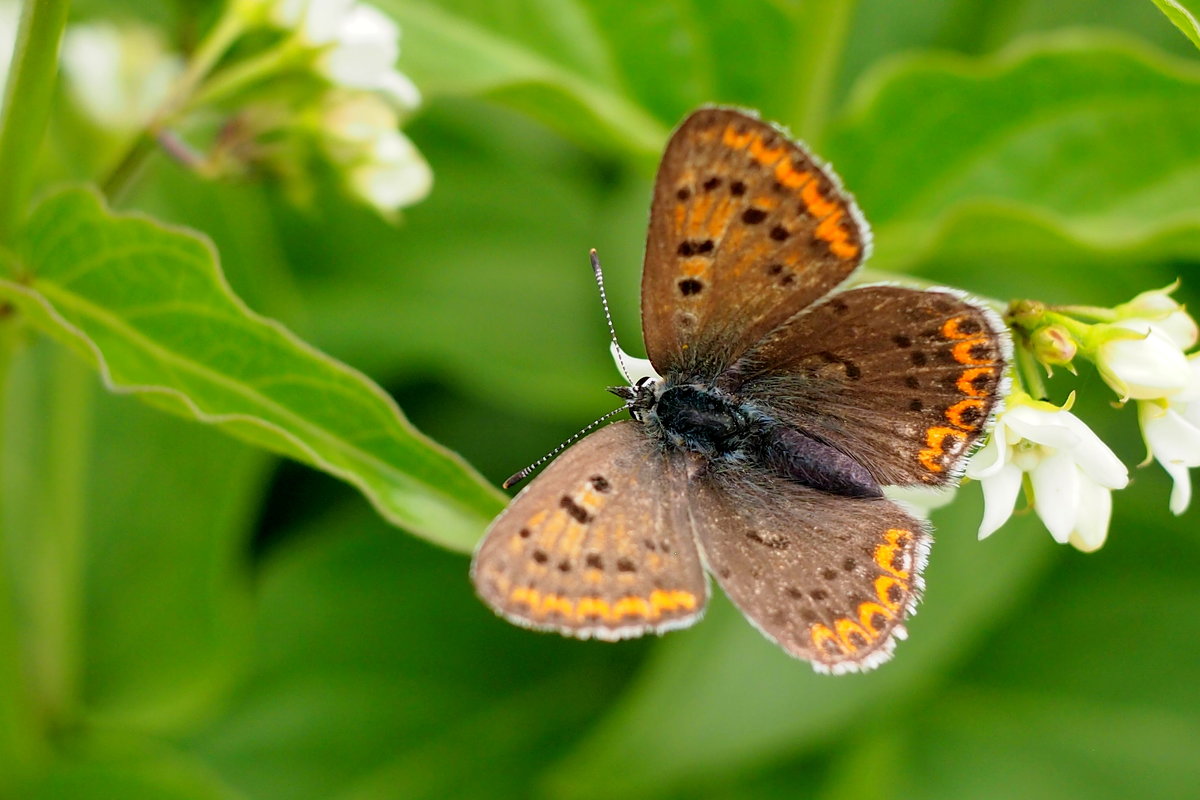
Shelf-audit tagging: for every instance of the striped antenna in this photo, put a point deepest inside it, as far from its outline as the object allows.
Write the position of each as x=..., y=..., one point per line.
x=521, y=475
x=607, y=316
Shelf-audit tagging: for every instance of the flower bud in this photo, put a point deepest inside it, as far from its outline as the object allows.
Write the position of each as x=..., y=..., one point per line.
x=1054, y=346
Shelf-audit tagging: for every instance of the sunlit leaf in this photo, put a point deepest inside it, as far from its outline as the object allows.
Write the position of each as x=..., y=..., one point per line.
x=147, y=305
x=1094, y=136
x=1181, y=17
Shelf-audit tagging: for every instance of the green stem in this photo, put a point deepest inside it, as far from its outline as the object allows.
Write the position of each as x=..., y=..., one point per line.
x=245, y=73
x=27, y=100
x=1080, y=331
x=210, y=51
x=19, y=739
x=57, y=579
x=1027, y=370
x=1088, y=312
x=121, y=177
x=824, y=28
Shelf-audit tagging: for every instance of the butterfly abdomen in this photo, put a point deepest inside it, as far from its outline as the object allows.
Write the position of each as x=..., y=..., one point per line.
x=714, y=424
x=812, y=462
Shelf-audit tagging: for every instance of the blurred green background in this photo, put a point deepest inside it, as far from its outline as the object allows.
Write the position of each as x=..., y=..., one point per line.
x=253, y=630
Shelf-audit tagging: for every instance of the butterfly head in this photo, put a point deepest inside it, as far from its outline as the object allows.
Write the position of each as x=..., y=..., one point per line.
x=641, y=397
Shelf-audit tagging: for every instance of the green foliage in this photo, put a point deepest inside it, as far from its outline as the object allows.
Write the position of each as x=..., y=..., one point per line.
x=1182, y=18
x=149, y=308
x=182, y=615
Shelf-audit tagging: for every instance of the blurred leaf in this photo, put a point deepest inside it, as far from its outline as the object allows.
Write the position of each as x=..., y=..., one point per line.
x=1097, y=137
x=617, y=72
x=523, y=49
x=485, y=285
x=722, y=699
x=165, y=505
x=366, y=686
x=160, y=665
x=148, y=306
x=1181, y=18
x=133, y=772
x=1053, y=746
x=1090, y=692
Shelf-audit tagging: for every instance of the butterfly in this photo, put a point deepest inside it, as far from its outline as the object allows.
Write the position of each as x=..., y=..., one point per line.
x=784, y=405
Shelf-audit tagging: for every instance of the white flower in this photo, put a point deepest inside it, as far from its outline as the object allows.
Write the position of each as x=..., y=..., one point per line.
x=1169, y=316
x=1071, y=472
x=356, y=119
x=382, y=167
x=1144, y=364
x=118, y=75
x=363, y=56
x=1171, y=429
x=317, y=22
x=395, y=176
x=354, y=45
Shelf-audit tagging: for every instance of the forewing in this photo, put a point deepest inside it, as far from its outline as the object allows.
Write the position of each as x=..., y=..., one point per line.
x=831, y=579
x=746, y=229
x=904, y=381
x=599, y=545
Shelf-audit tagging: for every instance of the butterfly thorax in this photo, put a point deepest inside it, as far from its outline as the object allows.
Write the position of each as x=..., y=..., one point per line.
x=722, y=428
x=703, y=420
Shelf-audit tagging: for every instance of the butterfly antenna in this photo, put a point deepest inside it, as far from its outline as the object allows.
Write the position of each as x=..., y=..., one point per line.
x=607, y=316
x=521, y=475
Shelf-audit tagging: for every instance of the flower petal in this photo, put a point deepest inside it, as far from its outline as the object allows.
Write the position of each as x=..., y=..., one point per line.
x=398, y=88
x=1095, y=513
x=1181, y=491
x=988, y=460
x=637, y=368
x=1171, y=437
x=1056, y=494
x=1058, y=428
x=1144, y=368
x=1099, y=462
x=1000, y=491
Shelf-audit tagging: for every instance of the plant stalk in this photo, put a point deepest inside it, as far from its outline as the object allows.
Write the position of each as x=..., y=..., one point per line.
x=823, y=28
x=27, y=99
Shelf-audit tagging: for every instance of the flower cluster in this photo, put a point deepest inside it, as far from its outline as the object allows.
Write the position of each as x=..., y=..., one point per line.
x=1140, y=350
x=307, y=78
x=1072, y=473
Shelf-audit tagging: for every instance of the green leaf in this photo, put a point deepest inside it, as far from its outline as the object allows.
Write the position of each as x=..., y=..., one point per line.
x=161, y=507
x=131, y=772
x=148, y=306
x=518, y=50
x=625, y=73
x=1181, y=18
x=1095, y=136
x=161, y=665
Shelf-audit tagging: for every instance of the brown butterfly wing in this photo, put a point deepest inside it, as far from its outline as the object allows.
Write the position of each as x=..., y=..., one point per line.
x=594, y=547
x=746, y=229
x=904, y=381
x=831, y=579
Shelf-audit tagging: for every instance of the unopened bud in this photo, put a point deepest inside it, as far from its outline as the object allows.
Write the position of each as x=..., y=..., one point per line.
x=1054, y=346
